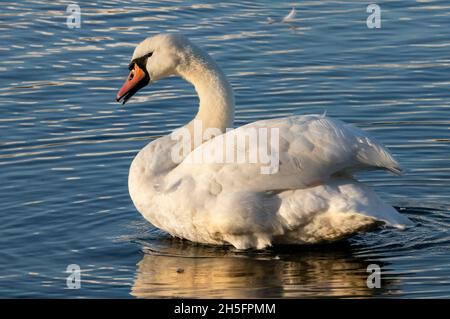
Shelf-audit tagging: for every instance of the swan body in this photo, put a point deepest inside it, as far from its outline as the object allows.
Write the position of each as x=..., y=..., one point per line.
x=310, y=198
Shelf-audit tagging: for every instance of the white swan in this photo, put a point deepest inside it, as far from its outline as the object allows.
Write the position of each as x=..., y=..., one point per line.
x=312, y=198
x=290, y=17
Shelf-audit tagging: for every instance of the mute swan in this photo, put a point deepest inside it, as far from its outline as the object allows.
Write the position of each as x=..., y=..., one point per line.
x=310, y=198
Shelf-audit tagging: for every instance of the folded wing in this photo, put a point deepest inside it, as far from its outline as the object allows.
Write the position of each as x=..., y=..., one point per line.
x=308, y=151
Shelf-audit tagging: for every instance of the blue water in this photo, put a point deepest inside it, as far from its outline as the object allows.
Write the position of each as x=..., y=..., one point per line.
x=66, y=145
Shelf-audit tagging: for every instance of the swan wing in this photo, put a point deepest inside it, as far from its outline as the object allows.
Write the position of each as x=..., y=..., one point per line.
x=302, y=151
x=309, y=198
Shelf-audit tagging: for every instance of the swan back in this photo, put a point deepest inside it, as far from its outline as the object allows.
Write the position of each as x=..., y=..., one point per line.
x=311, y=149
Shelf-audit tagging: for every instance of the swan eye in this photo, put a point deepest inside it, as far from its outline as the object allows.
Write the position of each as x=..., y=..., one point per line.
x=140, y=61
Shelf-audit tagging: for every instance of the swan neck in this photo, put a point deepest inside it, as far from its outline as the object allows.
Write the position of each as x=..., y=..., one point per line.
x=216, y=100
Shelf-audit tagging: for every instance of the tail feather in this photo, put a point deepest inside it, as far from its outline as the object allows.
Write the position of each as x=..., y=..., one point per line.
x=371, y=153
x=375, y=155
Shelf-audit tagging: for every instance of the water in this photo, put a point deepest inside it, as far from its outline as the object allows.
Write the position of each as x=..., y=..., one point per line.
x=66, y=145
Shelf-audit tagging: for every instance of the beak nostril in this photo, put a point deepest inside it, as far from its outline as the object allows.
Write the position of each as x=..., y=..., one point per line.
x=137, y=79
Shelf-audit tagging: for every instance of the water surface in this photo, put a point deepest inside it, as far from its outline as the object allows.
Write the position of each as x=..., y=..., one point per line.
x=66, y=145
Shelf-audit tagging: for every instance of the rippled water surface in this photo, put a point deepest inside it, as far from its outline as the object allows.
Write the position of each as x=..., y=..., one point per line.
x=66, y=145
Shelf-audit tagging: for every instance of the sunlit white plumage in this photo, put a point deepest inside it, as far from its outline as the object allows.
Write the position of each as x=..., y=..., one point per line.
x=313, y=197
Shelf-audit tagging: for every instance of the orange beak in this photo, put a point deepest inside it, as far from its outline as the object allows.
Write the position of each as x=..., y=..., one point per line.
x=136, y=80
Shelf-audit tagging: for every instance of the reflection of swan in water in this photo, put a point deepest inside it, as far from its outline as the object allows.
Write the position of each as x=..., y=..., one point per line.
x=186, y=270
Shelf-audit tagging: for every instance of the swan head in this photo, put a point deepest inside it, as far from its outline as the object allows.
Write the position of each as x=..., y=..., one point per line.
x=154, y=58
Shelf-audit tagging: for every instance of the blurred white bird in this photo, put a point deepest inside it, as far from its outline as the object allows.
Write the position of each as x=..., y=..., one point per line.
x=290, y=17
x=270, y=20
